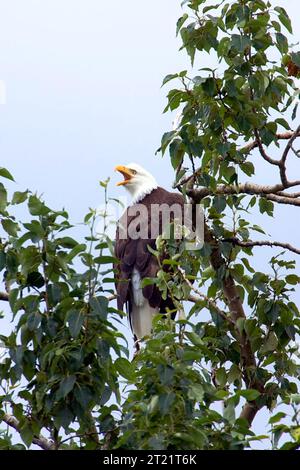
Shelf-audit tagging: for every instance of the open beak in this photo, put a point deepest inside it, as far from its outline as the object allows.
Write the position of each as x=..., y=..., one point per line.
x=125, y=172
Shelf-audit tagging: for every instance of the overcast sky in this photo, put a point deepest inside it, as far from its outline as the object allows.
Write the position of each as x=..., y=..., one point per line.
x=83, y=94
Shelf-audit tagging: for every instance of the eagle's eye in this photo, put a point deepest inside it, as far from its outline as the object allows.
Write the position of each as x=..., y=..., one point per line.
x=134, y=172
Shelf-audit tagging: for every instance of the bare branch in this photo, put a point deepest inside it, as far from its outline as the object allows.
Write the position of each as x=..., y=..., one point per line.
x=283, y=200
x=280, y=136
x=112, y=297
x=4, y=296
x=40, y=441
x=244, y=188
x=289, y=135
x=250, y=243
x=263, y=152
x=280, y=163
x=290, y=144
x=290, y=195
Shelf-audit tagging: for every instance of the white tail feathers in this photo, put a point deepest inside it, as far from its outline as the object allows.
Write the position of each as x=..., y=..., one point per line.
x=141, y=319
x=141, y=314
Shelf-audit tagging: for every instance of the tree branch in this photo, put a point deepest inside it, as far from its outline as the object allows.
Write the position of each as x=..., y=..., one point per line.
x=40, y=441
x=283, y=200
x=250, y=243
x=262, y=151
x=247, y=188
x=289, y=135
x=4, y=296
x=280, y=136
x=249, y=411
x=232, y=296
x=236, y=309
x=290, y=195
x=210, y=302
x=290, y=145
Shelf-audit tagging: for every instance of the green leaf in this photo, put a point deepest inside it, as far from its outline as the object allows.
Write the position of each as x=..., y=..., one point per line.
x=13, y=296
x=219, y=202
x=221, y=377
x=83, y=395
x=12, y=261
x=165, y=402
x=283, y=123
x=295, y=56
x=181, y=22
x=209, y=86
x=105, y=260
x=295, y=398
x=34, y=321
x=250, y=395
x=270, y=344
x=169, y=77
x=10, y=227
x=26, y=434
x=75, y=251
x=292, y=279
x=75, y=321
x=35, y=279
x=282, y=43
x=166, y=374
x=240, y=42
x=99, y=306
x=196, y=392
x=3, y=198
x=2, y=260
x=6, y=174
x=229, y=412
x=66, y=386
x=266, y=206
x=248, y=168
x=63, y=417
x=247, y=264
x=257, y=228
x=284, y=18
x=125, y=368
x=277, y=417
x=177, y=151
x=166, y=140
x=19, y=197
x=67, y=242
x=37, y=207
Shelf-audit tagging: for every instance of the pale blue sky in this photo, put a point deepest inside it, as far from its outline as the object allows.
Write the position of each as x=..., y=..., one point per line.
x=83, y=95
x=83, y=92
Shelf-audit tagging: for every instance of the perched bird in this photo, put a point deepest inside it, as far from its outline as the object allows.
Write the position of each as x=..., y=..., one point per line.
x=137, y=230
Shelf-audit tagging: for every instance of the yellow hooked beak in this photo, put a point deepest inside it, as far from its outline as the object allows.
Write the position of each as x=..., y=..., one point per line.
x=125, y=172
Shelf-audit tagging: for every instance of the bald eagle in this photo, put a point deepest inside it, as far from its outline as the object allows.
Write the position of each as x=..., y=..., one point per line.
x=135, y=260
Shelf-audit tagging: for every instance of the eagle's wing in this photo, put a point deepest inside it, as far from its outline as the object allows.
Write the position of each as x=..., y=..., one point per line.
x=136, y=263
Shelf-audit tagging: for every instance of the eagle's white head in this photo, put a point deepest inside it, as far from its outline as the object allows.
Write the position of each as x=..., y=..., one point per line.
x=138, y=181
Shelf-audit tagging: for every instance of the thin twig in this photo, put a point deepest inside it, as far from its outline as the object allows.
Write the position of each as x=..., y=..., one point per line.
x=262, y=151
